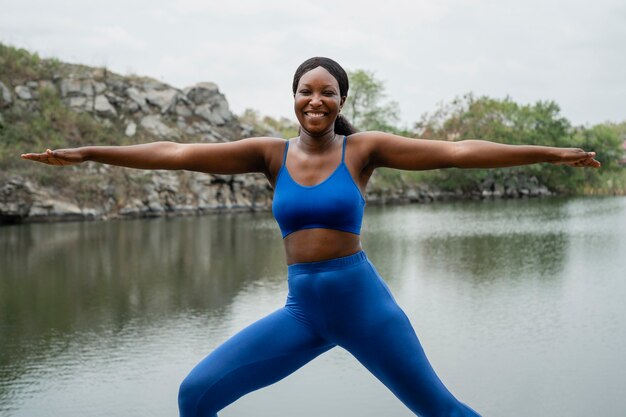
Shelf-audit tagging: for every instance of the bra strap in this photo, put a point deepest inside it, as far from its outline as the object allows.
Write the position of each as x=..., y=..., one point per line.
x=343, y=150
x=286, y=149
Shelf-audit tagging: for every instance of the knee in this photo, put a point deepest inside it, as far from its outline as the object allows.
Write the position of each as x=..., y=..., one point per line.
x=187, y=400
x=190, y=394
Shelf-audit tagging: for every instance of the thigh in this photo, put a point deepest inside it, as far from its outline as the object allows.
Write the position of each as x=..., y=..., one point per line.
x=386, y=344
x=259, y=355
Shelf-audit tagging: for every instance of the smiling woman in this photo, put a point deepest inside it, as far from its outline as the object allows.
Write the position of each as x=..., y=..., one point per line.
x=336, y=296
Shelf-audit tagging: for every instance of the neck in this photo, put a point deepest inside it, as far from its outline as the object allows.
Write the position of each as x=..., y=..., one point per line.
x=315, y=143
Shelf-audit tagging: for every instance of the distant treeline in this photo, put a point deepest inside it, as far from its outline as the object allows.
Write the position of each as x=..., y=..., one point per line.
x=498, y=120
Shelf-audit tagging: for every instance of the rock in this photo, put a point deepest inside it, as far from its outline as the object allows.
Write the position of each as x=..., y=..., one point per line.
x=114, y=99
x=139, y=98
x=103, y=107
x=183, y=110
x=81, y=103
x=201, y=92
x=55, y=209
x=133, y=209
x=211, y=104
x=99, y=87
x=5, y=96
x=206, y=111
x=131, y=129
x=154, y=85
x=131, y=107
x=165, y=100
x=118, y=86
x=71, y=87
x=153, y=124
x=165, y=181
x=16, y=197
x=23, y=92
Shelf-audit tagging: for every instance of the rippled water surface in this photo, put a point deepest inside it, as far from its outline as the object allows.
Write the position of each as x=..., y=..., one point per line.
x=520, y=306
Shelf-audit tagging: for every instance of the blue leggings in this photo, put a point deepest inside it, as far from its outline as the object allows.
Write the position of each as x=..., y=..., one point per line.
x=341, y=301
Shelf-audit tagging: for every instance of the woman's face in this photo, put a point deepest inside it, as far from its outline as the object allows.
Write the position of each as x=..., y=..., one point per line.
x=317, y=101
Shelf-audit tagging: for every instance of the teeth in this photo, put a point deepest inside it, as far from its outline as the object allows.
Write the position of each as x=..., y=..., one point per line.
x=315, y=114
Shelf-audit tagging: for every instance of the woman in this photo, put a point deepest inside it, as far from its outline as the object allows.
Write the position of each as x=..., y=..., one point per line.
x=336, y=296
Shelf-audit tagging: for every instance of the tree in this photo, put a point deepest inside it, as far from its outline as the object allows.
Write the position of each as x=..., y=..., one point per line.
x=366, y=107
x=505, y=121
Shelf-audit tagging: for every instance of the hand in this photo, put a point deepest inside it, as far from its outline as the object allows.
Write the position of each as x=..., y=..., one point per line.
x=575, y=157
x=58, y=157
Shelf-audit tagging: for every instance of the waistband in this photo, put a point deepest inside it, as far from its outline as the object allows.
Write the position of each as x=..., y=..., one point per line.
x=328, y=264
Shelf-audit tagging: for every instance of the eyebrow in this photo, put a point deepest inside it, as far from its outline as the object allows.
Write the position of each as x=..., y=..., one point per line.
x=324, y=86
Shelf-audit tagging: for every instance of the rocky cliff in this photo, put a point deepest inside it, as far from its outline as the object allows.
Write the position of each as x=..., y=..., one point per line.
x=129, y=110
x=46, y=103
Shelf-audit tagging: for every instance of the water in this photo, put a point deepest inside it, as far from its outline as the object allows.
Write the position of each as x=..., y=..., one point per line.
x=518, y=304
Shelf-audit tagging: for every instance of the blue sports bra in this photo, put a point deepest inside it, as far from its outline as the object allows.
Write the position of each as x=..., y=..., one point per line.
x=335, y=203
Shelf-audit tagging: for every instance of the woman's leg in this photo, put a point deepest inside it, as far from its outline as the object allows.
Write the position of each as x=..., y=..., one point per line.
x=378, y=333
x=259, y=355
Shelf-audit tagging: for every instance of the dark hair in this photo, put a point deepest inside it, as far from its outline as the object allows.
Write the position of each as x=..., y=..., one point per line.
x=342, y=125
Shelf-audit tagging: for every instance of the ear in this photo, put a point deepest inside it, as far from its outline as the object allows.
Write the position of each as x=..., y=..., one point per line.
x=342, y=101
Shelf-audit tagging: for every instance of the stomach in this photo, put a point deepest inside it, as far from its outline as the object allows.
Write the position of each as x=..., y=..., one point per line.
x=311, y=245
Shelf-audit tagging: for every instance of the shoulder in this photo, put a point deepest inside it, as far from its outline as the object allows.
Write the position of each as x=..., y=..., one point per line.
x=369, y=137
x=369, y=141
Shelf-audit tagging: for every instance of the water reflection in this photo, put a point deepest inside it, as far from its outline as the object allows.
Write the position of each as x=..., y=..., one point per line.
x=63, y=280
x=106, y=318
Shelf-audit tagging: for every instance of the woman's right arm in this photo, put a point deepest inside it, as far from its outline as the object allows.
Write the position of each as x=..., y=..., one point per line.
x=241, y=156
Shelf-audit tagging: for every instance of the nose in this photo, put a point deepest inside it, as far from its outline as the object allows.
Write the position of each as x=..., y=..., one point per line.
x=316, y=100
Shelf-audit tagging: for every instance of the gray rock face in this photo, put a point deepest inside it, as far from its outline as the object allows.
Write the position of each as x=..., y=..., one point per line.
x=165, y=100
x=5, y=96
x=138, y=98
x=131, y=129
x=23, y=92
x=103, y=107
x=71, y=87
x=81, y=103
x=154, y=125
x=211, y=105
x=199, y=113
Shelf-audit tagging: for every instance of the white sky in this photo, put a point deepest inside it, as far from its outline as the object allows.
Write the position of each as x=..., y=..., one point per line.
x=426, y=51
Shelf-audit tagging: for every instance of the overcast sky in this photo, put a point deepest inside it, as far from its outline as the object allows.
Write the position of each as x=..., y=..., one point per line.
x=426, y=51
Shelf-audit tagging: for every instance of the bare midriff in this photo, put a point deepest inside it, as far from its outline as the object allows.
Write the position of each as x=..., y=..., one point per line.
x=310, y=245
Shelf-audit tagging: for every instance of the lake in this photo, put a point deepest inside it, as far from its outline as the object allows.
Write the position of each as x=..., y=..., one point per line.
x=520, y=306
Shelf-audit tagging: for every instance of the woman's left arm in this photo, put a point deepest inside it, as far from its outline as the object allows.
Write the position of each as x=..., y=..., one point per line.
x=393, y=151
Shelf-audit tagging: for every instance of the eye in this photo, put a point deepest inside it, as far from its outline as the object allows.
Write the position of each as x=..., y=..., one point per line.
x=329, y=93
x=305, y=92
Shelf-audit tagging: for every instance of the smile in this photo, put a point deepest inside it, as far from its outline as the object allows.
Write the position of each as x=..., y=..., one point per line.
x=315, y=115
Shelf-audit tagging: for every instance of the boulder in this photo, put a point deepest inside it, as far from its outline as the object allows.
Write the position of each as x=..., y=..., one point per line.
x=131, y=129
x=81, y=103
x=139, y=98
x=201, y=92
x=5, y=96
x=103, y=107
x=211, y=105
x=23, y=92
x=165, y=100
x=153, y=124
x=71, y=87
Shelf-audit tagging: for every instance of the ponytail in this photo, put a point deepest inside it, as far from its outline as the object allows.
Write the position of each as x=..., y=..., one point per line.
x=343, y=126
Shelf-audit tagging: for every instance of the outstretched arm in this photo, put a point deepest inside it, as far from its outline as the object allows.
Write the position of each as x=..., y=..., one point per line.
x=394, y=151
x=246, y=155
